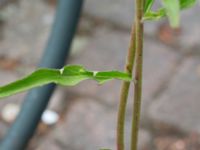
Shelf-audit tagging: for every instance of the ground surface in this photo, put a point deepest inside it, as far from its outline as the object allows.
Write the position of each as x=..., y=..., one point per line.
x=170, y=110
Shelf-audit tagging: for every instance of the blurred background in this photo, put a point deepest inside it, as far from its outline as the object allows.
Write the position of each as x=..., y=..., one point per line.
x=84, y=117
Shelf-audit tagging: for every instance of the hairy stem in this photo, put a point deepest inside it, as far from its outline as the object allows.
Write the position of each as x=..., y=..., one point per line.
x=138, y=72
x=124, y=92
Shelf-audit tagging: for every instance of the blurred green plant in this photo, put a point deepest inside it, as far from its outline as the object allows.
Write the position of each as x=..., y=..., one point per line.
x=170, y=9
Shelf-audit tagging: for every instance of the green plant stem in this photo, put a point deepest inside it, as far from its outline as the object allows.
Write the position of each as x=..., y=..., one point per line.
x=138, y=73
x=124, y=92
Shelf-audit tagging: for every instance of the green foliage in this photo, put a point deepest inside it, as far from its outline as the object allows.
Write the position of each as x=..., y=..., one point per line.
x=187, y=3
x=148, y=5
x=154, y=15
x=170, y=9
x=67, y=76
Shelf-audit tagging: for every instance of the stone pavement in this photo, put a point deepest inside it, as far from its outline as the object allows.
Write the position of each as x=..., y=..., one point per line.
x=170, y=108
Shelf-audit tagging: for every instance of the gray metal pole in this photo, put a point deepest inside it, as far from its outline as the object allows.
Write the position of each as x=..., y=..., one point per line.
x=56, y=52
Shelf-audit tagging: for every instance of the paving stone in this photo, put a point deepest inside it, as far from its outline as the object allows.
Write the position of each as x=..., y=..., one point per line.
x=58, y=98
x=159, y=61
x=90, y=125
x=26, y=29
x=50, y=144
x=101, y=54
x=119, y=12
x=185, y=39
x=3, y=129
x=5, y=78
x=179, y=104
x=190, y=35
x=151, y=28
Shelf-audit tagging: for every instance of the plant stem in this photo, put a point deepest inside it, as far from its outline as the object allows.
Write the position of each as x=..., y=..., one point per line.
x=124, y=92
x=138, y=73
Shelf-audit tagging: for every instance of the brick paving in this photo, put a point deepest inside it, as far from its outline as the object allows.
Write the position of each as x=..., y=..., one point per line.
x=88, y=111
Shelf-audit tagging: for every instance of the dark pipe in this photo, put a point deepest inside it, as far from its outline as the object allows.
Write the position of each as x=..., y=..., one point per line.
x=36, y=101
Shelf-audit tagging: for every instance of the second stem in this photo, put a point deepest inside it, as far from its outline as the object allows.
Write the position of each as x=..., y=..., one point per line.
x=138, y=73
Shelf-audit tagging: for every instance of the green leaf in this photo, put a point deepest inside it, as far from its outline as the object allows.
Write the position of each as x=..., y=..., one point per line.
x=154, y=15
x=67, y=76
x=148, y=5
x=187, y=3
x=172, y=8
